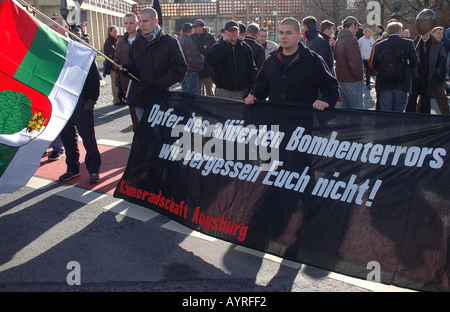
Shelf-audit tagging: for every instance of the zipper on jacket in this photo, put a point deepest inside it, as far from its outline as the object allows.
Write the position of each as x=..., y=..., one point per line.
x=235, y=69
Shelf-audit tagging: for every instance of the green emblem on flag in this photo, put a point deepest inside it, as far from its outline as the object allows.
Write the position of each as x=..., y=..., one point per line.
x=15, y=112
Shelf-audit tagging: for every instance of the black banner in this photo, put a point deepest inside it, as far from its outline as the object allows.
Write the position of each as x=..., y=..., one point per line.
x=362, y=193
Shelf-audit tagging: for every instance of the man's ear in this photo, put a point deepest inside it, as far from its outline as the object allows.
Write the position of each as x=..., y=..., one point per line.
x=156, y=20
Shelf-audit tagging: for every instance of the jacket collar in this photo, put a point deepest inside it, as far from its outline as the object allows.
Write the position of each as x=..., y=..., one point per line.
x=301, y=53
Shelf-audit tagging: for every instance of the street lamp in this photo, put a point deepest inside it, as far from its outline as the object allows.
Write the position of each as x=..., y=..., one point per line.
x=275, y=14
x=396, y=5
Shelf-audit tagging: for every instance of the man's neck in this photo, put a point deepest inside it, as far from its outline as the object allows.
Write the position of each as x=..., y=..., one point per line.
x=290, y=51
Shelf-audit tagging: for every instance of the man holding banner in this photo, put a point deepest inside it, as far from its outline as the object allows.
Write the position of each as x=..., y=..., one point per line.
x=155, y=58
x=294, y=74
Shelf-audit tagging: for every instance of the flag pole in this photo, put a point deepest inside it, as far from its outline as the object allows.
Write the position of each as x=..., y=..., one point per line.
x=73, y=36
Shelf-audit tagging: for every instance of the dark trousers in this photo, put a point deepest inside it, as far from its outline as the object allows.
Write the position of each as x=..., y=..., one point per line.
x=81, y=123
x=425, y=101
x=368, y=71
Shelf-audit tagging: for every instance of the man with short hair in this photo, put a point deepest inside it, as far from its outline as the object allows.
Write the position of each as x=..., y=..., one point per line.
x=268, y=45
x=393, y=92
x=155, y=58
x=232, y=58
x=242, y=30
x=258, y=50
x=194, y=60
x=294, y=74
x=431, y=66
x=314, y=40
x=380, y=30
x=365, y=44
x=439, y=88
x=327, y=32
x=204, y=41
x=84, y=35
x=349, y=65
x=121, y=54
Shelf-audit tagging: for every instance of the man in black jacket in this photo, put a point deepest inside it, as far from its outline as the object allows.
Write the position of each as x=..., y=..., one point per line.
x=294, y=74
x=81, y=123
x=259, y=55
x=232, y=58
x=393, y=93
x=155, y=59
x=327, y=30
x=314, y=41
x=204, y=41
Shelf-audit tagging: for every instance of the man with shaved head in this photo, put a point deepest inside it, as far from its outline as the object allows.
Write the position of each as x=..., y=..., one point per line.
x=156, y=59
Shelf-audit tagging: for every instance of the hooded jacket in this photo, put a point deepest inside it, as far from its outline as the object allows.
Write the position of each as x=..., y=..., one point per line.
x=315, y=41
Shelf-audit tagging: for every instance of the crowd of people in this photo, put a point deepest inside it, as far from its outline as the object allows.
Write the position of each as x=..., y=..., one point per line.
x=317, y=64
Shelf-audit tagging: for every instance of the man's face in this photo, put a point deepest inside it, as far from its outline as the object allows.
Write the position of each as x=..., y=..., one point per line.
x=329, y=32
x=147, y=23
x=130, y=24
x=198, y=30
x=262, y=37
x=233, y=34
x=288, y=36
x=438, y=34
x=354, y=29
x=113, y=32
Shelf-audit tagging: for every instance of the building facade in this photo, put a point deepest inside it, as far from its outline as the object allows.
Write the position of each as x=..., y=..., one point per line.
x=97, y=15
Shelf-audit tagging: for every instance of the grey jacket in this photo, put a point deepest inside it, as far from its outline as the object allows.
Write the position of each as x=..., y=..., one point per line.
x=191, y=54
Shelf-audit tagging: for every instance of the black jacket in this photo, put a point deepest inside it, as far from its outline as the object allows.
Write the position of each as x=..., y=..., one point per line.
x=328, y=57
x=204, y=42
x=91, y=87
x=158, y=65
x=234, y=66
x=259, y=55
x=315, y=42
x=300, y=83
x=109, y=47
x=410, y=57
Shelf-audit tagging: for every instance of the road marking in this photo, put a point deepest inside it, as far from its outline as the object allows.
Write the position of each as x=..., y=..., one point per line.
x=131, y=210
x=79, y=194
x=177, y=227
x=372, y=286
x=113, y=143
x=260, y=254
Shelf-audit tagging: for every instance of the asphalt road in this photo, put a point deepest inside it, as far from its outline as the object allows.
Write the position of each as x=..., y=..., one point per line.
x=56, y=237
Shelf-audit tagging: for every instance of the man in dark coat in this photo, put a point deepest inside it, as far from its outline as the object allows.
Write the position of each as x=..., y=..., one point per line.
x=155, y=59
x=204, y=41
x=122, y=52
x=431, y=65
x=393, y=93
x=294, y=74
x=258, y=51
x=314, y=40
x=232, y=58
